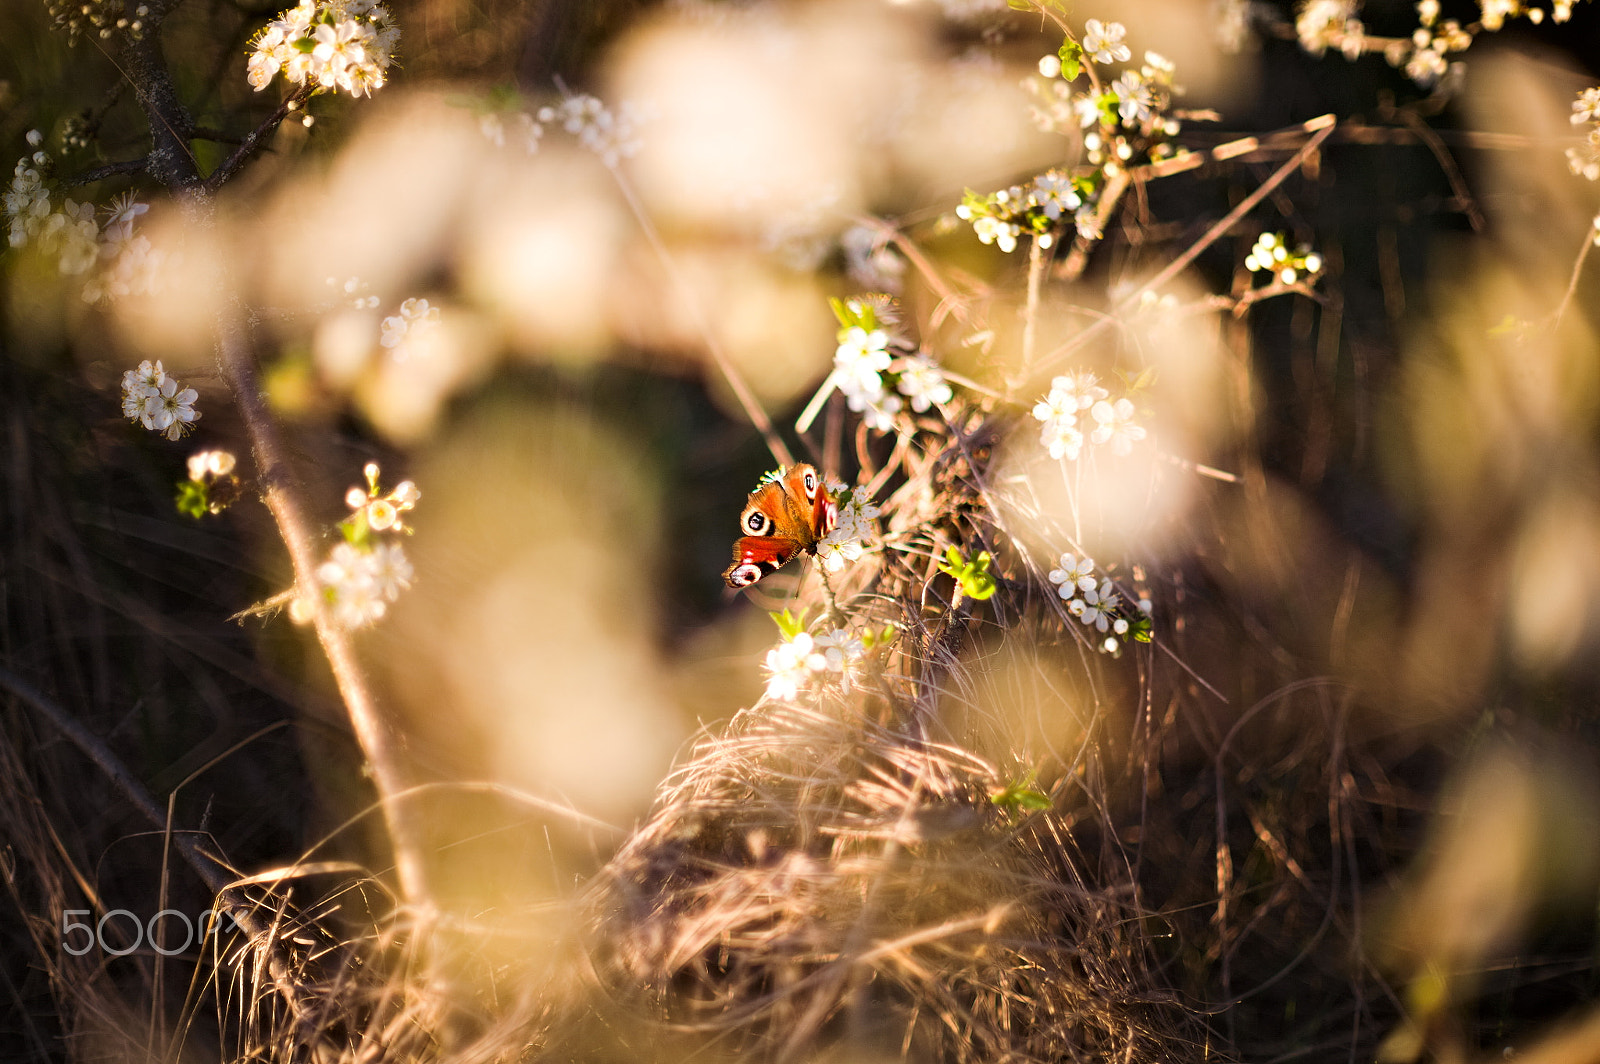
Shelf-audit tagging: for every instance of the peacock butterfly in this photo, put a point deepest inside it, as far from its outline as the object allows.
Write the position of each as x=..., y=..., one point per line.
x=788, y=513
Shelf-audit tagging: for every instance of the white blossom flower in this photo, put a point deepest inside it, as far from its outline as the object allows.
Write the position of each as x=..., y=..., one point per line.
x=358, y=585
x=840, y=653
x=415, y=318
x=390, y=569
x=343, y=45
x=1062, y=439
x=124, y=209
x=790, y=666
x=1321, y=23
x=922, y=383
x=1075, y=575
x=170, y=410
x=1053, y=192
x=204, y=464
x=992, y=230
x=1135, y=101
x=1069, y=394
x=1098, y=608
x=1102, y=42
x=138, y=385
x=1114, y=424
x=1088, y=223
x=612, y=135
x=859, y=362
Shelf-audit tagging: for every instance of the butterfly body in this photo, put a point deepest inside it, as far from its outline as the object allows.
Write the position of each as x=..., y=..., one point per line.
x=788, y=514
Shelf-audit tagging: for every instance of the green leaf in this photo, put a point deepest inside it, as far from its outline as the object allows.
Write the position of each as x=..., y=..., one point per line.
x=973, y=576
x=789, y=624
x=1021, y=795
x=1071, y=54
x=1019, y=5
x=355, y=529
x=192, y=499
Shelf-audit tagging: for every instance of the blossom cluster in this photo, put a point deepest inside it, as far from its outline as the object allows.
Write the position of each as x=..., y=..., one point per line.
x=357, y=291
x=157, y=401
x=416, y=318
x=845, y=543
x=1041, y=208
x=520, y=126
x=1584, y=160
x=1324, y=24
x=211, y=487
x=612, y=135
x=1272, y=255
x=362, y=575
x=1131, y=115
x=1095, y=603
x=1126, y=120
x=72, y=235
x=806, y=662
x=332, y=44
x=865, y=367
x=1108, y=421
x=358, y=585
x=101, y=18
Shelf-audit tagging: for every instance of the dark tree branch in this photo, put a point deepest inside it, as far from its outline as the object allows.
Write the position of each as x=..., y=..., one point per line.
x=100, y=173
x=254, y=141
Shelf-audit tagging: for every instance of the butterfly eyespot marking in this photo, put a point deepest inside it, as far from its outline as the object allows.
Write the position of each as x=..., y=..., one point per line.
x=757, y=522
x=811, y=484
x=744, y=575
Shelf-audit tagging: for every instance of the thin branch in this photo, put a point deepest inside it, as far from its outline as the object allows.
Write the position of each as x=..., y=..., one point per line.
x=1577, y=270
x=1320, y=127
x=277, y=481
x=100, y=173
x=255, y=140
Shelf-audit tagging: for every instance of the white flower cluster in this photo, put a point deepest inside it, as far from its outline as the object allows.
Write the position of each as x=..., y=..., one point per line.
x=383, y=513
x=71, y=235
x=333, y=44
x=519, y=125
x=1324, y=24
x=212, y=464
x=1136, y=104
x=416, y=318
x=1001, y=217
x=805, y=662
x=1102, y=42
x=134, y=266
x=357, y=291
x=1108, y=421
x=1092, y=600
x=1585, y=160
x=1272, y=255
x=157, y=401
x=361, y=577
x=853, y=526
x=612, y=135
x=102, y=18
x=860, y=364
x=358, y=585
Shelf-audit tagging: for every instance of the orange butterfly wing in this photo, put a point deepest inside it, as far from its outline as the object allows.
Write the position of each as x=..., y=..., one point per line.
x=786, y=515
